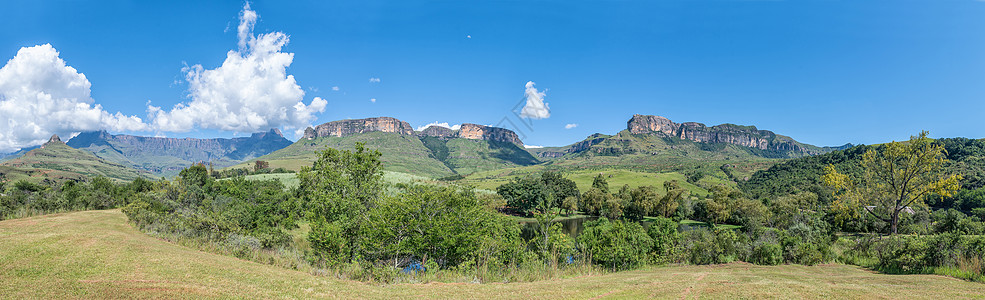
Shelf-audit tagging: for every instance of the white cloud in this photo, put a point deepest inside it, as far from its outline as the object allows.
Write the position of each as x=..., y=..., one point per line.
x=442, y=124
x=532, y=147
x=251, y=91
x=374, y=79
x=569, y=126
x=40, y=95
x=372, y=100
x=335, y=88
x=535, y=108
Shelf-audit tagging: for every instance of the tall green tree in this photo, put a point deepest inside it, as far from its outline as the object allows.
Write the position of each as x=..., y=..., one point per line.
x=671, y=200
x=897, y=177
x=336, y=192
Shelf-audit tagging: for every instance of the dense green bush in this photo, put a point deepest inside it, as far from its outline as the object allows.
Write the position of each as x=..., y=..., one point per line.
x=666, y=239
x=240, y=215
x=23, y=198
x=615, y=244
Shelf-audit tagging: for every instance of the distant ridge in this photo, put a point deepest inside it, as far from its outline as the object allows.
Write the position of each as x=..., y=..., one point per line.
x=167, y=156
x=56, y=160
x=761, y=143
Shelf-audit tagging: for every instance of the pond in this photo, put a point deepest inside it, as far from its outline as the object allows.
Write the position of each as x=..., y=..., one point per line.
x=570, y=226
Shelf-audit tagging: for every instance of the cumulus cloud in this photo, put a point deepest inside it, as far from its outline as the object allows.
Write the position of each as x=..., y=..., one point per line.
x=251, y=91
x=40, y=95
x=372, y=100
x=442, y=124
x=374, y=80
x=569, y=126
x=535, y=108
x=335, y=88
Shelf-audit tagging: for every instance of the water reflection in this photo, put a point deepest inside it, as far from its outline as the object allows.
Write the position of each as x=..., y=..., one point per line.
x=570, y=226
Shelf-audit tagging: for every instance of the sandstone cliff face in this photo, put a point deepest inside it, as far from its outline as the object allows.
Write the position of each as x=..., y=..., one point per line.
x=346, y=128
x=748, y=136
x=475, y=132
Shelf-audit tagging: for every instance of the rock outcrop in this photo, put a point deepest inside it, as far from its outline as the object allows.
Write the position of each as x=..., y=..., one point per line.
x=475, y=132
x=54, y=139
x=748, y=136
x=346, y=128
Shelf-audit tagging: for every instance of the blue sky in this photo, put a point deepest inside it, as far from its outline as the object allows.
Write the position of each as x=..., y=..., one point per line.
x=823, y=72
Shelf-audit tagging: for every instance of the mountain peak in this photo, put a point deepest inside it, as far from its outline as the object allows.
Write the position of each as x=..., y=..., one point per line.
x=54, y=140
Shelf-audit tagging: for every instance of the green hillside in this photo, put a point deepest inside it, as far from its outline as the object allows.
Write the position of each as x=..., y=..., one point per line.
x=641, y=159
x=966, y=157
x=55, y=160
x=465, y=156
x=401, y=153
x=97, y=254
x=422, y=156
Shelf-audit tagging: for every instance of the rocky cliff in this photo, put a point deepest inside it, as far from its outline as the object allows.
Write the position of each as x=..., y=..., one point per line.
x=748, y=136
x=346, y=128
x=475, y=132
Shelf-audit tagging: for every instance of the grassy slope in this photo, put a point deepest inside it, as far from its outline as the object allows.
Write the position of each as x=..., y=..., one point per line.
x=96, y=254
x=291, y=180
x=59, y=161
x=431, y=157
x=641, y=159
x=401, y=153
x=584, y=178
x=468, y=156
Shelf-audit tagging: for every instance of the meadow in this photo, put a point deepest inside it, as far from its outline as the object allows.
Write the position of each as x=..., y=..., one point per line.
x=97, y=254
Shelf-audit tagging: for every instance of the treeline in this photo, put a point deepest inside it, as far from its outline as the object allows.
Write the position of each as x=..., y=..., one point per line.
x=24, y=198
x=964, y=156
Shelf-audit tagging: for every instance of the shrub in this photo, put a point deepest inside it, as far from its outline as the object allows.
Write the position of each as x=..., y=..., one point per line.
x=666, y=239
x=766, y=254
x=615, y=244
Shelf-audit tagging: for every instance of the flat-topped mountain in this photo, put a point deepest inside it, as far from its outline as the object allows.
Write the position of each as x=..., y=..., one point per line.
x=169, y=155
x=344, y=128
x=475, y=132
x=748, y=136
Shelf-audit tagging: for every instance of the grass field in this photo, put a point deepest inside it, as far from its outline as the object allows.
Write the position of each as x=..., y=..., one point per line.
x=584, y=178
x=290, y=180
x=96, y=254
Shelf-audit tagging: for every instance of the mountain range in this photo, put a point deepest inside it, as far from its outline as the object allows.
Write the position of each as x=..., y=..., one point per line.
x=167, y=156
x=57, y=161
x=648, y=144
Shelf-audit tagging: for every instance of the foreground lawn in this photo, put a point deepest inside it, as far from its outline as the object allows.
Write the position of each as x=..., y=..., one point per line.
x=97, y=254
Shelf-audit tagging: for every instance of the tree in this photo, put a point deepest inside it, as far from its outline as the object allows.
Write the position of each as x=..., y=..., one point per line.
x=260, y=165
x=196, y=175
x=561, y=188
x=898, y=176
x=722, y=203
x=671, y=200
x=593, y=201
x=335, y=193
x=523, y=194
x=643, y=202
x=600, y=183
